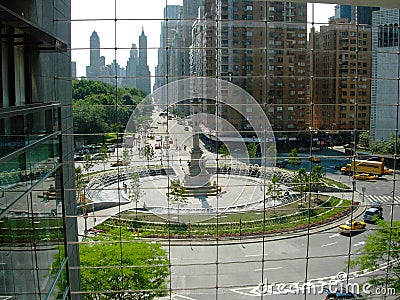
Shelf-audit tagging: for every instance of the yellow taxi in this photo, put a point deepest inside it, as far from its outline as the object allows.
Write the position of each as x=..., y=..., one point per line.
x=364, y=176
x=388, y=171
x=351, y=226
x=117, y=163
x=315, y=159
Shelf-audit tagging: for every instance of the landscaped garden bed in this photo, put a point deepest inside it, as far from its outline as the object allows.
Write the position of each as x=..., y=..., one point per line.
x=291, y=217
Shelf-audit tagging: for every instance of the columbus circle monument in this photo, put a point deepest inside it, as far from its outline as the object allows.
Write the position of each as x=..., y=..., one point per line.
x=172, y=162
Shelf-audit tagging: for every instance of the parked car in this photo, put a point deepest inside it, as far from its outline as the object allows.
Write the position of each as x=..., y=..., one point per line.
x=372, y=214
x=351, y=226
x=79, y=157
x=376, y=204
x=281, y=163
x=364, y=176
x=157, y=146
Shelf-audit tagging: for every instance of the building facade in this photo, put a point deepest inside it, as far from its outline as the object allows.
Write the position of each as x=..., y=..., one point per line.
x=359, y=14
x=250, y=51
x=169, y=28
x=341, y=85
x=385, y=115
x=38, y=230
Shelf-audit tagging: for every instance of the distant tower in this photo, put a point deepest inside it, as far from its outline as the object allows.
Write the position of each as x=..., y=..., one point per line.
x=131, y=68
x=93, y=70
x=94, y=50
x=143, y=73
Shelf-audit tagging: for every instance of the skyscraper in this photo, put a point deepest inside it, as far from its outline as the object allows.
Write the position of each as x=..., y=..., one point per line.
x=385, y=111
x=143, y=74
x=363, y=14
x=131, y=65
x=96, y=61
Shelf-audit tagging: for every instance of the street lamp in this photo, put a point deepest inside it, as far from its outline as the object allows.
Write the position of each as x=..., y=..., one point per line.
x=363, y=193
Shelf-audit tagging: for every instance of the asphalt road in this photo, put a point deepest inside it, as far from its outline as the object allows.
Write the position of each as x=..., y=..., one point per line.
x=235, y=271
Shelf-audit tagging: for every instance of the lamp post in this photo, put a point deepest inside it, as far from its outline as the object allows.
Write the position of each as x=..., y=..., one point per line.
x=84, y=210
x=363, y=193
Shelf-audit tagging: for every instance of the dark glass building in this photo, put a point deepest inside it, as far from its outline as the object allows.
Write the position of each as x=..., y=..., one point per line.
x=37, y=240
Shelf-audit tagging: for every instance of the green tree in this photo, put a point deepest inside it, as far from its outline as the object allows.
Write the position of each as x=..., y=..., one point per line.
x=148, y=153
x=125, y=157
x=386, y=146
x=177, y=194
x=135, y=270
x=316, y=176
x=382, y=245
x=301, y=181
x=251, y=150
x=87, y=163
x=274, y=189
x=103, y=155
x=363, y=139
x=135, y=191
x=94, y=108
x=224, y=151
x=294, y=158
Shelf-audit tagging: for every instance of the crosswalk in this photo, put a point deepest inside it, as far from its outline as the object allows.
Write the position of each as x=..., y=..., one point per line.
x=383, y=199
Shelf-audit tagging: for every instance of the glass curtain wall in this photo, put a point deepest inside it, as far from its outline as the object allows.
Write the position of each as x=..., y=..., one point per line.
x=36, y=175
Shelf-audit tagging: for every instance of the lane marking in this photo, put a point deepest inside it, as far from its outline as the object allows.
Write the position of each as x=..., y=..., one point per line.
x=184, y=297
x=334, y=235
x=330, y=244
x=251, y=255
x=267, y=269
x=359, y=244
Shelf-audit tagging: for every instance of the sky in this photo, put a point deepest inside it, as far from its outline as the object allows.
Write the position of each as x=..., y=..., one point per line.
x=98, y=15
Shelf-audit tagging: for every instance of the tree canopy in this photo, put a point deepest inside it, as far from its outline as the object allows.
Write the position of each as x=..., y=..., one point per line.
x=101, y=108
x=382, y=246
x=251, y=149
x=294, y=158
x=143, y=275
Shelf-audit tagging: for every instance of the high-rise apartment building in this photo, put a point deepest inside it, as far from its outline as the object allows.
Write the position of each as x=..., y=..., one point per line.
x=142, y=70
x=38, y=230
x=341, y=65
x=261, y=47
x=167, y=36
x=385, y=114
x=190, y=11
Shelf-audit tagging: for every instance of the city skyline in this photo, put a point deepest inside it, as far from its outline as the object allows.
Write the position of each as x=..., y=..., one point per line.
x=132, y=28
